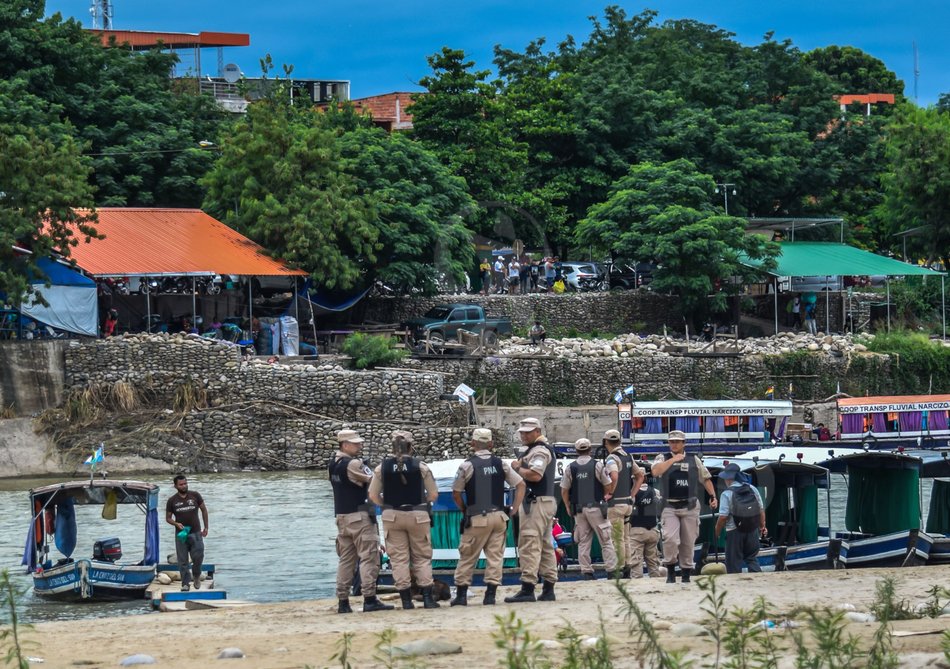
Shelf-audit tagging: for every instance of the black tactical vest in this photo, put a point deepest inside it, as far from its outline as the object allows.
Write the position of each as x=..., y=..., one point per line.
x=402, y=483
x=679, y=485
x=348, y=497
x=645, y=509
x=624, y=481
x=586, y=490
x=485, y=491
x=545, y=486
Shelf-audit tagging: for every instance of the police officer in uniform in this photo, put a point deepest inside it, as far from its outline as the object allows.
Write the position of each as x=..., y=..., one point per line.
x=357, y=535
x=583, y=487
x=535, y=550
x=682, y=479
x=644, y=535
x=482, y=478
x=626, y=477
x=403, y=486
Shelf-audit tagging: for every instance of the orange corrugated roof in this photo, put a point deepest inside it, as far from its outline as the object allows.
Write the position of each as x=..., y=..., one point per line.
x=892, y=399
x=171, y=241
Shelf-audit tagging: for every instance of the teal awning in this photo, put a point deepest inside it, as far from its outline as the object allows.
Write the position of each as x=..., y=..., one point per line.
x=834, y=259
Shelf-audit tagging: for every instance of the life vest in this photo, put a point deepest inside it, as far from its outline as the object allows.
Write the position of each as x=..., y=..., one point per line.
x=402, y=483
x=681, y=480
x=348, y=497
x=545, y=486
x=645, y=509
x=586, y=489
x=485, y=490
x=622, y=492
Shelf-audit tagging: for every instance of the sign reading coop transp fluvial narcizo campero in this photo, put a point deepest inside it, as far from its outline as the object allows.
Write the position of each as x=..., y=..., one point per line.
x=765, y=408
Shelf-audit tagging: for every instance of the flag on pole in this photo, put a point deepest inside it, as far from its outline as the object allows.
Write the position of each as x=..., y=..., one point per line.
x=618, y=397
x=629, y=391
x=95, y=458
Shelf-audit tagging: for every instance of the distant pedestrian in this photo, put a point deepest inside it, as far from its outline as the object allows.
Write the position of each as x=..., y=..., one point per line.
x=810, y=323
x=549, y=273
x=525, y=273
x=182, y=510
x=499, y=274
x=484, y=271
x=537, y=334
x=535, y=273
x=514, y=276
x=797, y=312
x=108, y=326
x=742, y=514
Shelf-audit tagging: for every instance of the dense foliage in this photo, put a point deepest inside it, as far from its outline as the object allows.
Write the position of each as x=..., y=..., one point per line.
x=369, y=351
x=546, y=150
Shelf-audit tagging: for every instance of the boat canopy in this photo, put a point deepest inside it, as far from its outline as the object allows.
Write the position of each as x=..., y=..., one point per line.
x=709, y=421
x=883, y=491
x=894, y=416
x=57, y=503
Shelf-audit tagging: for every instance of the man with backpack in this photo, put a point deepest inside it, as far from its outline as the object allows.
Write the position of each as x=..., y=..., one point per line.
x=742, y=514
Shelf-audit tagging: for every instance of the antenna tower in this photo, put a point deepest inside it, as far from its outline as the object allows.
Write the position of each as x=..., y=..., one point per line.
x=916, y=70
x=101, y=11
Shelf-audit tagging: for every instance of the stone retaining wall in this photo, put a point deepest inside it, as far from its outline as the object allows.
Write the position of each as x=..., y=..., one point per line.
x=615, y=311
x=163, y=363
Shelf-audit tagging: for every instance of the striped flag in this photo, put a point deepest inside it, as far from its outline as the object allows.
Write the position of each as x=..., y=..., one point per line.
x=95, y=458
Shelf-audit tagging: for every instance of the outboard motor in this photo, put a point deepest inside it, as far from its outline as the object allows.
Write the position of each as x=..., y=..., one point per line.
x=107, y=549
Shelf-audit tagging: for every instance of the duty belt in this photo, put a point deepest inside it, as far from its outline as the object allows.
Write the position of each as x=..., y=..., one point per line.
x=407, y=507
x=619, y=500
x=681, y=503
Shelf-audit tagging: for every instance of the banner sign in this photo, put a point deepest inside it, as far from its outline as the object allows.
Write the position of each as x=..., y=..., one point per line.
x=896, y=407
x=699, y=408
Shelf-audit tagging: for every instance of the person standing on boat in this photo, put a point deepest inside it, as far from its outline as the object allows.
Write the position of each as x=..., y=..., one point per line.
x=535, y=549
x=482, y=478
x=357, y=540
x=625, y=476
x=682, y=479
x=405, y=489
x=181, y=510
x=644, y=536
x=583, y=489
x=742, y=543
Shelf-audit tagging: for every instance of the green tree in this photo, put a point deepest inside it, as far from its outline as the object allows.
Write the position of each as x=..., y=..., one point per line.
x=665, y=213
x=141, y=135
x=854, y=71
x=917, y=183
x=279, y=180
x=418, y=204
x=44, y=186
x=458, y=117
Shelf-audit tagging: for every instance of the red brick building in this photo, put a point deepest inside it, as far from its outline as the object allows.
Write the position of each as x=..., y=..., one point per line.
x=388, y=110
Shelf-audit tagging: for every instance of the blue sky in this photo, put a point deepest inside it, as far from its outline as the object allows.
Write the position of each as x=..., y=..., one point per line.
x=381, y=47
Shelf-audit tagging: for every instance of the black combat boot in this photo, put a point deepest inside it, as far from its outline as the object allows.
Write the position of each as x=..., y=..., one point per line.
x=685, y=571
x=671, y=573
x=461, y=596
x=373, y=604
x=427, y=601
x=489, y=595
x=344, y=606
x=547, y=592
x=625, y=573
x=406, y=597
x=526, y=594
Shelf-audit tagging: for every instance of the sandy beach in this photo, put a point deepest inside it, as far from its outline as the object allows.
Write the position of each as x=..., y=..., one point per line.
x=295, y=634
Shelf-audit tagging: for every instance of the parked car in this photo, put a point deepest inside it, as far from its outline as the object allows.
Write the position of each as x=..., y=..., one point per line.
x=443, y=321
x=810, y=284
x=580, y=275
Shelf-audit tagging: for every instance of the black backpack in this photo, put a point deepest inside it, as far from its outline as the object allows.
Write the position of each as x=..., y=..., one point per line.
x=746, y=510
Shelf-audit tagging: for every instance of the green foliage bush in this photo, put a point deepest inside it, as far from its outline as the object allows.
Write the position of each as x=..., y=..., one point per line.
x=370, y=351
x=919, y=366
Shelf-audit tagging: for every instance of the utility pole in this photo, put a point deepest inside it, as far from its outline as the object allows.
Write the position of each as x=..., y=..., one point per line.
x=725, y=188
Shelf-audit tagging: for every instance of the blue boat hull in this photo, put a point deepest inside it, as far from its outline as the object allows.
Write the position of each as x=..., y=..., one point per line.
x=908, y=548
x=940, y=550
x=93, y=580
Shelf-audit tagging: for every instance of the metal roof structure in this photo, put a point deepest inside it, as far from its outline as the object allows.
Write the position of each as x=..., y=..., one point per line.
x=175, y=242
x=139, y=40
x=834, y=259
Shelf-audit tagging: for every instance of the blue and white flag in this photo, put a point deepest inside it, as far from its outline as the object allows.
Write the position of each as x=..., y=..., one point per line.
x=629, y=391
x=618, y=397
x=95, y=458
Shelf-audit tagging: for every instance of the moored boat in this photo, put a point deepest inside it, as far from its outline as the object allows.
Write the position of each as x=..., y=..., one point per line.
x=103, y=576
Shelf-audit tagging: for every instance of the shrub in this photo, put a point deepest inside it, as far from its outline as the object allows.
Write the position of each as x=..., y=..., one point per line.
x=370, y=351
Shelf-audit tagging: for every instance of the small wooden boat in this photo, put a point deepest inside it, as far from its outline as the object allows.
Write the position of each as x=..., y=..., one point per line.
x=102, y=576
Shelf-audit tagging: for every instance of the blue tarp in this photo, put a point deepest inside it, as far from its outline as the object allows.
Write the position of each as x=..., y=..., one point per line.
x=59, y=274
x=321, y=305
x=71, y=303
x=151, y=529
x=29, y=550
x=66, y=526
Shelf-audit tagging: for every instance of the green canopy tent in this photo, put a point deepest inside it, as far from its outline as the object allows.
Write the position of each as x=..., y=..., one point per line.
x=831, y=259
